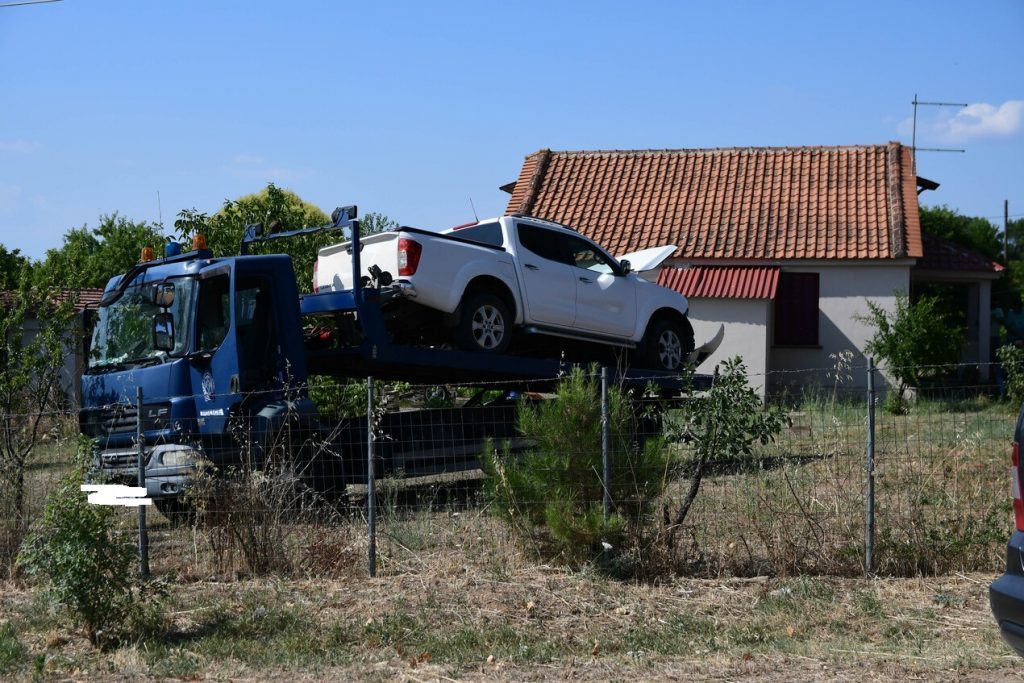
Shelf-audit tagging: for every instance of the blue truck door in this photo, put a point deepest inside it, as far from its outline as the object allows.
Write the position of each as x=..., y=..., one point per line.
x=215, y=373
x=260, y=364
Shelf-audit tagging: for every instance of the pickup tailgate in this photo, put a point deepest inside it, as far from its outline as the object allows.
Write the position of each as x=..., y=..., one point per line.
x=334, y=263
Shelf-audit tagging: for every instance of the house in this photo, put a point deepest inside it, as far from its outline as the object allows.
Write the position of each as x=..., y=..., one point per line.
x=75, y=359
x=782, y=245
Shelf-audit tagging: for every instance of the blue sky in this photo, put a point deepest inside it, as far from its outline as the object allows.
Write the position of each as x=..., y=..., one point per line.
x=413, y=108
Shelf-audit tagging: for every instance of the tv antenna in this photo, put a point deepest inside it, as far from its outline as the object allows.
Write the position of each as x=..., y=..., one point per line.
x=913, y=143
x=27, y=2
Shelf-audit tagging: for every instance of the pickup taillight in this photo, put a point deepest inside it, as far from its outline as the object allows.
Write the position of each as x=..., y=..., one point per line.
x=409, y=252
x=1018, y=500
x=316, y=267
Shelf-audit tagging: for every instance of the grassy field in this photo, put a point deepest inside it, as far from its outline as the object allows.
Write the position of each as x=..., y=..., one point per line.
x=769, y=583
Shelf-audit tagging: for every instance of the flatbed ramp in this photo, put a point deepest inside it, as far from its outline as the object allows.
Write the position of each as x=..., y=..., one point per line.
x=376, y=356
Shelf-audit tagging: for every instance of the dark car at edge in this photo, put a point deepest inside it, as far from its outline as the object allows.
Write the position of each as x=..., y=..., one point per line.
x=1006, y=594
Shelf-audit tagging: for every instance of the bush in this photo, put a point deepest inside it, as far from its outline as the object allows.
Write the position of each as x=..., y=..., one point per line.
x=1012, y=359
x=916, y=340
x=89, y=567
x=554, y=493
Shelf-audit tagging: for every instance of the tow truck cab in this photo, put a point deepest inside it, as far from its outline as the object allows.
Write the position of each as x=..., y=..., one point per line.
x=206, y=340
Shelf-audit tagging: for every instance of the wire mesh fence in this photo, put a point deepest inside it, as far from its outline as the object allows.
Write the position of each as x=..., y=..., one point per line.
x=383, y=480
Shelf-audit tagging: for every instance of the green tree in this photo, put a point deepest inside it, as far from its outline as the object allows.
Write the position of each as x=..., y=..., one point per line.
x=11, y=265
x=372, y=223
x=90, y=257
x=278, y=210
x=977, y=233
x=1013, y=283
x=31, y=363
x=915, y=341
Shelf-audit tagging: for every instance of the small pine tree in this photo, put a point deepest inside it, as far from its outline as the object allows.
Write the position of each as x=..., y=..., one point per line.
x=554, y=493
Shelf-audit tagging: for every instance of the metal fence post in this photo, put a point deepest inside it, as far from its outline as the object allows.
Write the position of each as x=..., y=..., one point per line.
x=606, y=474
x=143, y=532
x=869, y=531
x=371, y=482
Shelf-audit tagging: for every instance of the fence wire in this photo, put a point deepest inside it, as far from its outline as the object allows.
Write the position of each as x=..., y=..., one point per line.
x=490, y=473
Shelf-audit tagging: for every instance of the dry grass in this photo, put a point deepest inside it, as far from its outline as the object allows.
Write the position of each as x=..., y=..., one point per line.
x=456, y=598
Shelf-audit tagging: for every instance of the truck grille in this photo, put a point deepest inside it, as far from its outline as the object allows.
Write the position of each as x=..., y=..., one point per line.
x=114, y=419
x=120, y=459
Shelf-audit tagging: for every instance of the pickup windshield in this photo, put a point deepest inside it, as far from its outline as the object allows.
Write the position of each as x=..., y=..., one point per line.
x=124, y=330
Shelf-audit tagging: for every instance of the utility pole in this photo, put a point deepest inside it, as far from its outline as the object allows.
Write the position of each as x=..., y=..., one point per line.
x=1006, y=232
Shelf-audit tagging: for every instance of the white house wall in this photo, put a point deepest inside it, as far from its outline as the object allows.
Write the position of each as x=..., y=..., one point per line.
x=842, y=295
x=746, y=333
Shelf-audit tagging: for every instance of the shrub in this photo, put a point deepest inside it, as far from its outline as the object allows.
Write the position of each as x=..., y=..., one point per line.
x=915, y=340
x=721, y=426
x=89, y=567
x=554, y=493
x=1012, y=359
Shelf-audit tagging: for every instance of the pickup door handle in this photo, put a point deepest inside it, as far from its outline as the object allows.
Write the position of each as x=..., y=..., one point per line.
x=530, y=266
x=586, y=279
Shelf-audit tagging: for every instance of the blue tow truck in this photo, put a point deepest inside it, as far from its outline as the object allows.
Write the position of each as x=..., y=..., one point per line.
x=218, y=351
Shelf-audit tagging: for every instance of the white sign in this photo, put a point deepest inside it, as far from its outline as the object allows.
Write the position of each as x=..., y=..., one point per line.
x=116, y=494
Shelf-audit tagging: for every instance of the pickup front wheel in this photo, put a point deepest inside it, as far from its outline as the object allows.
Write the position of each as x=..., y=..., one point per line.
x=667, y=344
x=485, y=324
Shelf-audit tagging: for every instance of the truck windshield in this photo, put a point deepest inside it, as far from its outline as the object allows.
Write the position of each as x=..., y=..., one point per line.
x=124, y=329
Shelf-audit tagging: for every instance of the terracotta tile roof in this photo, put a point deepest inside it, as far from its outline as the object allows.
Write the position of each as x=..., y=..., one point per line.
x=722, y=282
x=941, y=254
x=87, y=298
x=745, y=203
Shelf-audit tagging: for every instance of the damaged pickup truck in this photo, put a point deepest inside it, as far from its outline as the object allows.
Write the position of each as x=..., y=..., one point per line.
x=491, y=285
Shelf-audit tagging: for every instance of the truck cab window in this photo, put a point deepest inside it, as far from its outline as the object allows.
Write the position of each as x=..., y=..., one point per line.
x=256, y=338
x=214, y=312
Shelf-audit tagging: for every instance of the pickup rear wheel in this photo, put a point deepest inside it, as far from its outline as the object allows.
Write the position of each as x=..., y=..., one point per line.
x=485, y=324
x=667, y=344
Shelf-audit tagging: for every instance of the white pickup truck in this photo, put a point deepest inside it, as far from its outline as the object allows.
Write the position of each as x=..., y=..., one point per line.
x=479, y=284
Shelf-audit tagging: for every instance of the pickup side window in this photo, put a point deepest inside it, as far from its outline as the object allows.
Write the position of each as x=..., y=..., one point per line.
x=214, y=311
x=589, y=256
x=485, y=233
x=545, y=243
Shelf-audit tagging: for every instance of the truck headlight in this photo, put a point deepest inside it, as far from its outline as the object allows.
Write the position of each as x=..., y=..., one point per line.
x=177, y=457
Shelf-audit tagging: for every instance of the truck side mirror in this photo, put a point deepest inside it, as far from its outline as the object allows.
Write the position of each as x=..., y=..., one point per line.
x=163, y=332
x=626, y=266
x=163, y=294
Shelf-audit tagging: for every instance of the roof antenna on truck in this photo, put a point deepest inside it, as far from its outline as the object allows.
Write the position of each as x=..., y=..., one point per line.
x=475, y=217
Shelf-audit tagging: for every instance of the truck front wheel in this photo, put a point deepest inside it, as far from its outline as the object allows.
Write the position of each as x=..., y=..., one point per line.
x=485, y=324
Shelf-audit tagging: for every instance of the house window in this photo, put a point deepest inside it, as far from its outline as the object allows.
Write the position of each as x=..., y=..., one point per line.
x=796, y=310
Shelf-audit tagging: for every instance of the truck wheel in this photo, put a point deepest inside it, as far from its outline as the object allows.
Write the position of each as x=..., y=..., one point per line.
x=484, y=325
x=667, y=344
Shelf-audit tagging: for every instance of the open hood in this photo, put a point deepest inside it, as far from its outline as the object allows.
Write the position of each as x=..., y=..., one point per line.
x=648, y=259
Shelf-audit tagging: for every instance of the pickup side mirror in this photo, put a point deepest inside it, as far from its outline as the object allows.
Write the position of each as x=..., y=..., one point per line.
x=626, y=266
x=163, y=332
